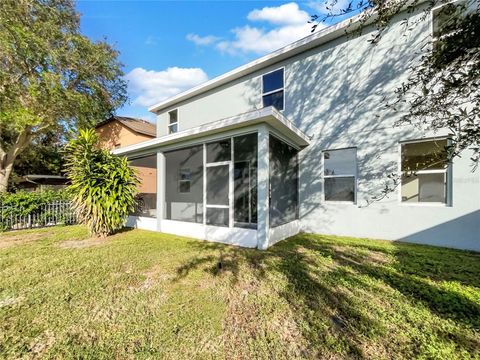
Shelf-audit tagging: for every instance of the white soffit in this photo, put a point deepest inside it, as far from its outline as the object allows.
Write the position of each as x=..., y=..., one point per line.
x=268, y=115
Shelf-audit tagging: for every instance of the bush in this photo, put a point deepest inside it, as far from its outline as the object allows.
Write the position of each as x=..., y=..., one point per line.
x=22, y=203
x=103, y=187
x=19, y=205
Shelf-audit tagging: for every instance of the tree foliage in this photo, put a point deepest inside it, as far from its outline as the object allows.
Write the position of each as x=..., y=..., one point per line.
x=52, y=78
x=44, y=156
x=103, y=187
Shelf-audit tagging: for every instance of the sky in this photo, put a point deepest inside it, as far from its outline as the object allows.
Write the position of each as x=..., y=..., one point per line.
x=167, y=47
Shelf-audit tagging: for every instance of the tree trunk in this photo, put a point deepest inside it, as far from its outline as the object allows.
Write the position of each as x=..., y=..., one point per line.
x=5, y=172
x=7, y=158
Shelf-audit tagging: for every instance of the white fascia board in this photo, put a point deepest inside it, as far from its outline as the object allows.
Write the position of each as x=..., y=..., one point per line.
x=268, y=115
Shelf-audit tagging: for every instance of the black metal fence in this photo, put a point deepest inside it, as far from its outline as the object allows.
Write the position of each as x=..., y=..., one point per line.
x=54, y=213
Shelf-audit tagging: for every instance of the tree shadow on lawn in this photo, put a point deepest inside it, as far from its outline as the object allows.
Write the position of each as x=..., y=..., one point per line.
x=339, y=291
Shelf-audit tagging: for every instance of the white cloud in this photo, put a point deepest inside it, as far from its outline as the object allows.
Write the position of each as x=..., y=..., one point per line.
x=259, y=41
x=202, y=40
x=148, y=87
x=284, y=24
x=325, y=7
x=286, y=14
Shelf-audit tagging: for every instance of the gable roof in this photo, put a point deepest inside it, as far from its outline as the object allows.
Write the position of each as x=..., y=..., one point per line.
x=138, y=125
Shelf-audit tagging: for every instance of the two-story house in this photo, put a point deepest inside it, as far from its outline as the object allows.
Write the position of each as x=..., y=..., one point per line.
x=300, y=140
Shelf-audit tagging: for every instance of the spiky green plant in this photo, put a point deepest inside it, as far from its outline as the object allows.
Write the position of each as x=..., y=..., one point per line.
x=103, y=186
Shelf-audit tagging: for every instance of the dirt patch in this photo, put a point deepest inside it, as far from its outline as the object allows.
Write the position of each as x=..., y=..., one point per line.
x=245, y=320
x=153, y=276
x=9, y=301
x=379, y=257
x=8, y=240
x=352, y=255
x=81, y=244
x=41, y=344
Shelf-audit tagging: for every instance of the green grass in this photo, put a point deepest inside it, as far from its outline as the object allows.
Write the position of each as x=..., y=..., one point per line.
x=141, y=294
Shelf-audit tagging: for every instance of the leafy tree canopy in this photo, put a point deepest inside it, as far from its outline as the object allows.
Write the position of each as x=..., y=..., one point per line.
x=44, y=156
x=52, y=78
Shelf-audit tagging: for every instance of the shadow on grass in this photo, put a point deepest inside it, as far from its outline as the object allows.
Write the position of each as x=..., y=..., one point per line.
x=329, y=282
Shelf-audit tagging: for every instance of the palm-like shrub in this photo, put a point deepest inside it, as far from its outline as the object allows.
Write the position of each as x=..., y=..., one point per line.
x=103, y=186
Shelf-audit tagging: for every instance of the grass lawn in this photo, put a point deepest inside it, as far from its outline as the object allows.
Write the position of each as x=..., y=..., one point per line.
x=147, y=295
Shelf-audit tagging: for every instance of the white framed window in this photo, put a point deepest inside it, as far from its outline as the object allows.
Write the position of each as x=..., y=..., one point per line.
x=173, y=121
x=184, y=180
x=425, y=171
x=273, y=93
x=340, y=175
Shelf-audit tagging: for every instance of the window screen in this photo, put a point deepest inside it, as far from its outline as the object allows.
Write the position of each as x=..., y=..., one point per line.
x=146, y=202
x=273, y=89
x=283, y=182
x=219, y=151
x=217, y=216
x=245, y=180
x=218, y=179
x=424, y=171
x=340, y=168
x=184, y=184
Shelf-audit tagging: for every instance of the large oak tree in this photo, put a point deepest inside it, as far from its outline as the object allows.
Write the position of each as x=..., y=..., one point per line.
x=52, y=78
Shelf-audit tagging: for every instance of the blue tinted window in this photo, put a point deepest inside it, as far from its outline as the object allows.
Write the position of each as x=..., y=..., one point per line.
x=274, y=99
x=273, y=81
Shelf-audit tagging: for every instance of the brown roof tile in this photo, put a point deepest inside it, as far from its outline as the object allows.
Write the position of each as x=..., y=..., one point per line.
x=138, y=125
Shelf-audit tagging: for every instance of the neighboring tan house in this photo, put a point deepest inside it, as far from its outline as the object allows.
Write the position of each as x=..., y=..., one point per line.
x=119, y=131
x=301, y=140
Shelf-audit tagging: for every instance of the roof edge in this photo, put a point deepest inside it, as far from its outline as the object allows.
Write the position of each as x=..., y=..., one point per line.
x=219, y=126
x=309, y=42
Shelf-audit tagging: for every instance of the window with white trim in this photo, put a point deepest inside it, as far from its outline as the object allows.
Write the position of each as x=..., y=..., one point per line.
x=184, y=180
x=273, y=89
x=340, y=174
x=425, y=171
x=173, y=121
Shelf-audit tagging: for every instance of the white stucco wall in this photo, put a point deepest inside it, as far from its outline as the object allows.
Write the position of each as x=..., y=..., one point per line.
x=334, y=94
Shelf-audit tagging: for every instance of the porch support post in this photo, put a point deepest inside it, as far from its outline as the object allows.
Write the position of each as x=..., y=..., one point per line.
x=161, y=172
x=263, y=188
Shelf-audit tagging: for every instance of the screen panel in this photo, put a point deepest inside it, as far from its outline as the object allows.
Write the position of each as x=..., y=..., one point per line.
x=184, y=184
x=283, y=182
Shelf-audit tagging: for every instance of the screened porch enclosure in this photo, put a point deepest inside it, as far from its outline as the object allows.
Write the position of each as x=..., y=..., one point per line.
x=234, y=180
x=213, y=183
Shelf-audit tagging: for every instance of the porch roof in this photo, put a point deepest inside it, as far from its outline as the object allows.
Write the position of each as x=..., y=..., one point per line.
x=268, y=115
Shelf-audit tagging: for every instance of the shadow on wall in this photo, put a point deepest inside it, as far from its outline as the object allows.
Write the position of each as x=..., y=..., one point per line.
x=337, y=96
x=109, y=134
x=326, y=280
x=444, y=233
